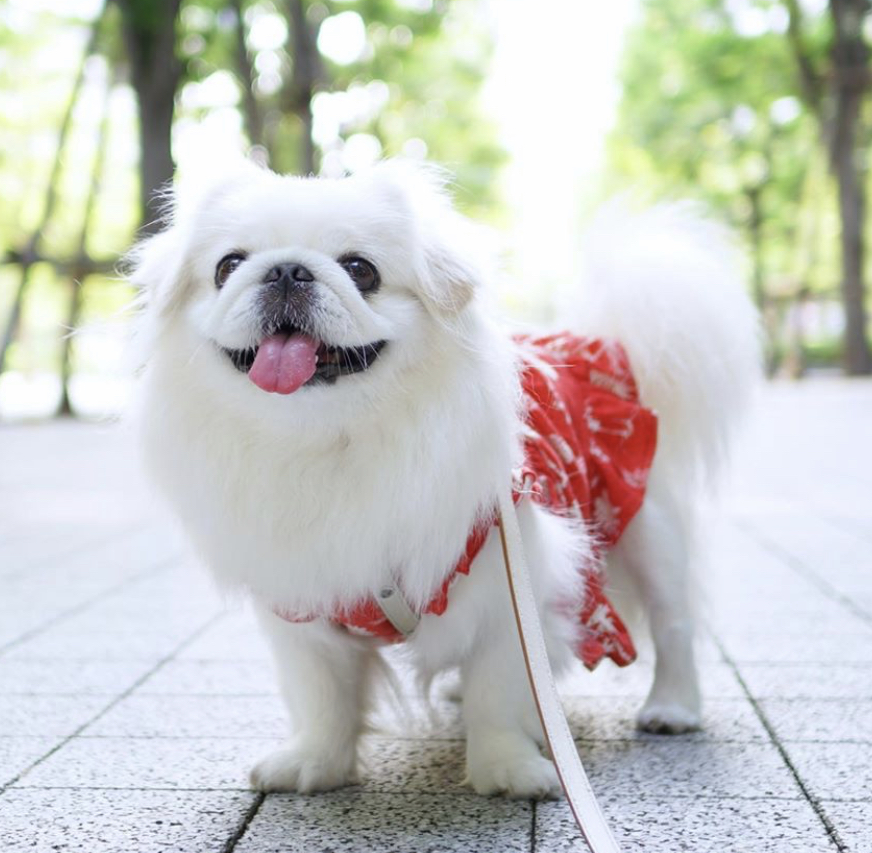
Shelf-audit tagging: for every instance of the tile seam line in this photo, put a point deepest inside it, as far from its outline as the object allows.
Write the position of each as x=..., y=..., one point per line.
x=804, y=571
x=533, y=828
x=811, y=799
x=160, y=566
x=247, y=819
x=108, y=707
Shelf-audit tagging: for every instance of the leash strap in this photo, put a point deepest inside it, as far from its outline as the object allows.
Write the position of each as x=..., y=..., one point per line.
x=579, y=794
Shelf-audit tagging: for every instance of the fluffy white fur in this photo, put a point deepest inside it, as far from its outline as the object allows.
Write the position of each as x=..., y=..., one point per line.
x=312, y=500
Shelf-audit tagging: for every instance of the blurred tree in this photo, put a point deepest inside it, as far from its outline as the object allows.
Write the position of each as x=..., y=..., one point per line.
x=713, y=107
x=149, y=29
x=324, y=86
x=835, y=87
x=317, y=85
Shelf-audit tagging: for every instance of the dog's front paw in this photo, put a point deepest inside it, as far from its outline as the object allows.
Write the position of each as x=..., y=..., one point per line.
x=303, y=769
x=511, y=766
x=668, y=718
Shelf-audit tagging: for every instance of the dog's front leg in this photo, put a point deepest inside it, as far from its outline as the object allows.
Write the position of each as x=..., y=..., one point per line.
x=502, y=728
x=503, y=732
x=322, y=674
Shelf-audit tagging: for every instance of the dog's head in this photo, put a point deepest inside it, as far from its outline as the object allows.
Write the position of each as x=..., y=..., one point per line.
x=305, y=287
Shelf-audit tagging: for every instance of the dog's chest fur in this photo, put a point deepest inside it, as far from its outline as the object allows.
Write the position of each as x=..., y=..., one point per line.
x=307, y=525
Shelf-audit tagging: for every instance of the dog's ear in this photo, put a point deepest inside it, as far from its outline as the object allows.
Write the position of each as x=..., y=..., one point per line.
x=159, y=270
x=448, y=276
x=448, y=267
x=160, y=265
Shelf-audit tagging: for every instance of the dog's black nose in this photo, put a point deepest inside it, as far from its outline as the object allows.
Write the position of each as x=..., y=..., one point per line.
x=287, y=273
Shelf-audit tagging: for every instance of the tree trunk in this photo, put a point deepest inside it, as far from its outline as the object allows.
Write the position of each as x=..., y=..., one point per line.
x=251, y=112
x=150, y=38
x=837, y=98
x=156, y=165
x=305, y=77
x=847, y=159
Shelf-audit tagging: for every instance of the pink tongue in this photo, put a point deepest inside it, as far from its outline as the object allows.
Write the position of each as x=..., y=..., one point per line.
x=283, y=363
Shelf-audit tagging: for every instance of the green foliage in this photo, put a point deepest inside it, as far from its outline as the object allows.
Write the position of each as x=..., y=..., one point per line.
x=712, y=108
x=416, y=78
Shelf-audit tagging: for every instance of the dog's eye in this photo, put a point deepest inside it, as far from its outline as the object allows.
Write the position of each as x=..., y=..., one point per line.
x=363, y=273
x=227, y=265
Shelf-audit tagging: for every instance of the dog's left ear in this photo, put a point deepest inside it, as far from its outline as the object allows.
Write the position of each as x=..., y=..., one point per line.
x=448, y=277
x=448, y=267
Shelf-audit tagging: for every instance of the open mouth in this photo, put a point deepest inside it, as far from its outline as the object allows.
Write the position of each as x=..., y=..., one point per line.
x=290, y=344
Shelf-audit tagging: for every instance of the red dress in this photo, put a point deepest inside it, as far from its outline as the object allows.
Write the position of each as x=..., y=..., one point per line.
x=588, y=447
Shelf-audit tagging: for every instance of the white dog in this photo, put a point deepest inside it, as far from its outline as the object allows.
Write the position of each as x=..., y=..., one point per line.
x=331, y=413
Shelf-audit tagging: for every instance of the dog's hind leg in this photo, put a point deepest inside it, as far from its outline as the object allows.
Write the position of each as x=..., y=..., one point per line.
x=654, y=553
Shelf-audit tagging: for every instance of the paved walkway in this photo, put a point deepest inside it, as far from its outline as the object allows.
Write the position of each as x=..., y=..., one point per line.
x=132, y=702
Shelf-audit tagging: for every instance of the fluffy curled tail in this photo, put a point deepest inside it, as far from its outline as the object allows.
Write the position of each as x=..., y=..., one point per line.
x=665, y=284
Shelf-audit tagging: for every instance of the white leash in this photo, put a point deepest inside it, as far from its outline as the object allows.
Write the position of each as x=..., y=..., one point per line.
x=579, y=794
x=570, y=771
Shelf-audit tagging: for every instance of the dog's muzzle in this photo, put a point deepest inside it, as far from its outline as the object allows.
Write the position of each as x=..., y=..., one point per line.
x=292, y=353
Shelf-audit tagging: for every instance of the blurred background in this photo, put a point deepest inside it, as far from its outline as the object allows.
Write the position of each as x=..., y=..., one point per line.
x=759, y=109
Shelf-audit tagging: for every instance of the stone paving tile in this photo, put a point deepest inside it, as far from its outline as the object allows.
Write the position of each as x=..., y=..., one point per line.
x=862, y=600
x=184, y=583
x=591, y=718
x=808, y=681
x=438, y=719
x=829, y=551
x=206, y=763
x=853, y=822
x=835, y=771
x=211, y=677
x=657, y=825
x=792, y=646
x=717, y=681
x=60, y=644
x=820, y=719
x=17, y=623
x=855, y=523
x=201, y=720
x=113, y=561
x=193, y=717
x=76, y=821
x=412, y=766
x=380, y=823
x=687, y=769
x=757, y=585
x=231, y=639
x=131, y=613
x=18, y=753
x=80, y=677
x=49, y=715
x=683, y=768
x=23, y=551
x=820, y=615
x=609, y=718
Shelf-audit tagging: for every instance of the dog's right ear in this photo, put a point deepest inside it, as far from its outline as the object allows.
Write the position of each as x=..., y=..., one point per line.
x=159, y=270
x=160, y=265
